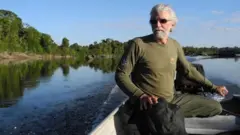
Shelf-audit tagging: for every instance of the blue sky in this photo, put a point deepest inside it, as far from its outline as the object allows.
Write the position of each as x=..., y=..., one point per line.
x=201, y=22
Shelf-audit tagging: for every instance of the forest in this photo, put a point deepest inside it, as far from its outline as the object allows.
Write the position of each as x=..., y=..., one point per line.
x=17, y=36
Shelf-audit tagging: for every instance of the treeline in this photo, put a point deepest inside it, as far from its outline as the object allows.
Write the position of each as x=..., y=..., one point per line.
x=16, y=36
x=211, y=51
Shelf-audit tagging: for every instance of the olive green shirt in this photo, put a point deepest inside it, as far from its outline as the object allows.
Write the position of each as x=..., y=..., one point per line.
x=149, y=67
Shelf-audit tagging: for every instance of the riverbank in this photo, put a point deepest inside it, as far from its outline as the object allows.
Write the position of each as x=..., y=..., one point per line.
x=19, y=57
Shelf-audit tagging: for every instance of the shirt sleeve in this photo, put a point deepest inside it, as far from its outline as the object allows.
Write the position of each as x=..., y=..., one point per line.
x=126, y=65
x=187, y=69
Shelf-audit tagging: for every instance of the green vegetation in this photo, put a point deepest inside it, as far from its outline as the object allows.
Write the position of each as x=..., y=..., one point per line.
x=212, y=51
x=16, y=36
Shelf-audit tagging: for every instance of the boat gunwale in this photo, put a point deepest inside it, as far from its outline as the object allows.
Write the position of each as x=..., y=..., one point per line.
x=99, y=125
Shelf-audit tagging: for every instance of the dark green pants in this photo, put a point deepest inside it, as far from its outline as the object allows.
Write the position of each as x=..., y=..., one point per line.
x=196, y=105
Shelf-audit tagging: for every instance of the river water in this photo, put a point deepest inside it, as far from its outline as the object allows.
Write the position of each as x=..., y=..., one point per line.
x=70, y=97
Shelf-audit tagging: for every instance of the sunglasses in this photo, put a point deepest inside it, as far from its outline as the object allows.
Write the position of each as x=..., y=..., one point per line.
x=155, y=21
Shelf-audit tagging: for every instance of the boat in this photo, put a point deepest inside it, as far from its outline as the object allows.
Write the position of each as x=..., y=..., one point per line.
x=114, y=125
x=227, y=122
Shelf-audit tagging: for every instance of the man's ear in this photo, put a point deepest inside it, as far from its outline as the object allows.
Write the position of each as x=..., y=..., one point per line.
x=173, y=26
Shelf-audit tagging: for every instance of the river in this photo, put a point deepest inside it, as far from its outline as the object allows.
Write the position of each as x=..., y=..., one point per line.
x=70, y=97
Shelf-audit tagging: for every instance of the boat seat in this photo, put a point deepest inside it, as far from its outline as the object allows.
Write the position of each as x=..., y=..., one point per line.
x=230, y=106
x=212, y=125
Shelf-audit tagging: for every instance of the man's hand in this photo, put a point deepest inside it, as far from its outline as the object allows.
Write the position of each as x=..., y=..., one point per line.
x=147, y=101
x=222, y=90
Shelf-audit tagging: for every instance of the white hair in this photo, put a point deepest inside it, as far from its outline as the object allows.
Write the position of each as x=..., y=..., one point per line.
x=163, y=7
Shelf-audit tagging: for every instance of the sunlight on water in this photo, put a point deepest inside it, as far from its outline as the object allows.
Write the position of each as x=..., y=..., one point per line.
x=225, y=69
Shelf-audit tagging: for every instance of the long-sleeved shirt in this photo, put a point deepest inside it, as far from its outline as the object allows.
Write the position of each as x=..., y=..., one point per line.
x=149, y=67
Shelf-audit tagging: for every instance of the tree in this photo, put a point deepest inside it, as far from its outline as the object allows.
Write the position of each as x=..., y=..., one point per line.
x=65, y=42
x=32, y=37
x=46, y=42
x=10, y=26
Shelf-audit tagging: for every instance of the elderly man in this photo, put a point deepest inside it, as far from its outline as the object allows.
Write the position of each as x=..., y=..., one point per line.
x=152, y=61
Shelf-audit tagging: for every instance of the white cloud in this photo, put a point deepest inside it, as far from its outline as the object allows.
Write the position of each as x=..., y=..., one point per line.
x=225, y=29
x=234, y=17
x=236, y=13
x=215, y=12
x=233, y=20
x=209, y=23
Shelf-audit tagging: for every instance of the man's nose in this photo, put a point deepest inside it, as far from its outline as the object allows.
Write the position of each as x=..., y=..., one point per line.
x=158, y=24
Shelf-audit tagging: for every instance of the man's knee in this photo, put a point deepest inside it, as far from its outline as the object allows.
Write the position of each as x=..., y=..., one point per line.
x=216, y=107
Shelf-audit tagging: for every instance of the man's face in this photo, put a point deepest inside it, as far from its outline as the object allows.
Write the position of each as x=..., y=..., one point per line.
x=161, y=25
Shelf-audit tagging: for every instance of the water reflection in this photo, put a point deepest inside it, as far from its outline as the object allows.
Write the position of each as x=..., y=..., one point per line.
x=236, y=59
x=105, y=65
x=17, y=78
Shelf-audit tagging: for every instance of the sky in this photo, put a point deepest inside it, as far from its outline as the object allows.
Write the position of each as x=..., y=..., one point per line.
x=201, y=22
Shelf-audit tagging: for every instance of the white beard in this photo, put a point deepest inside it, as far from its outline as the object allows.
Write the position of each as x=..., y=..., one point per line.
x=161, y=34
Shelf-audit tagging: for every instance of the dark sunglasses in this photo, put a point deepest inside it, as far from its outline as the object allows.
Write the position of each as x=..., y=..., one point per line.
x=154, y=21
